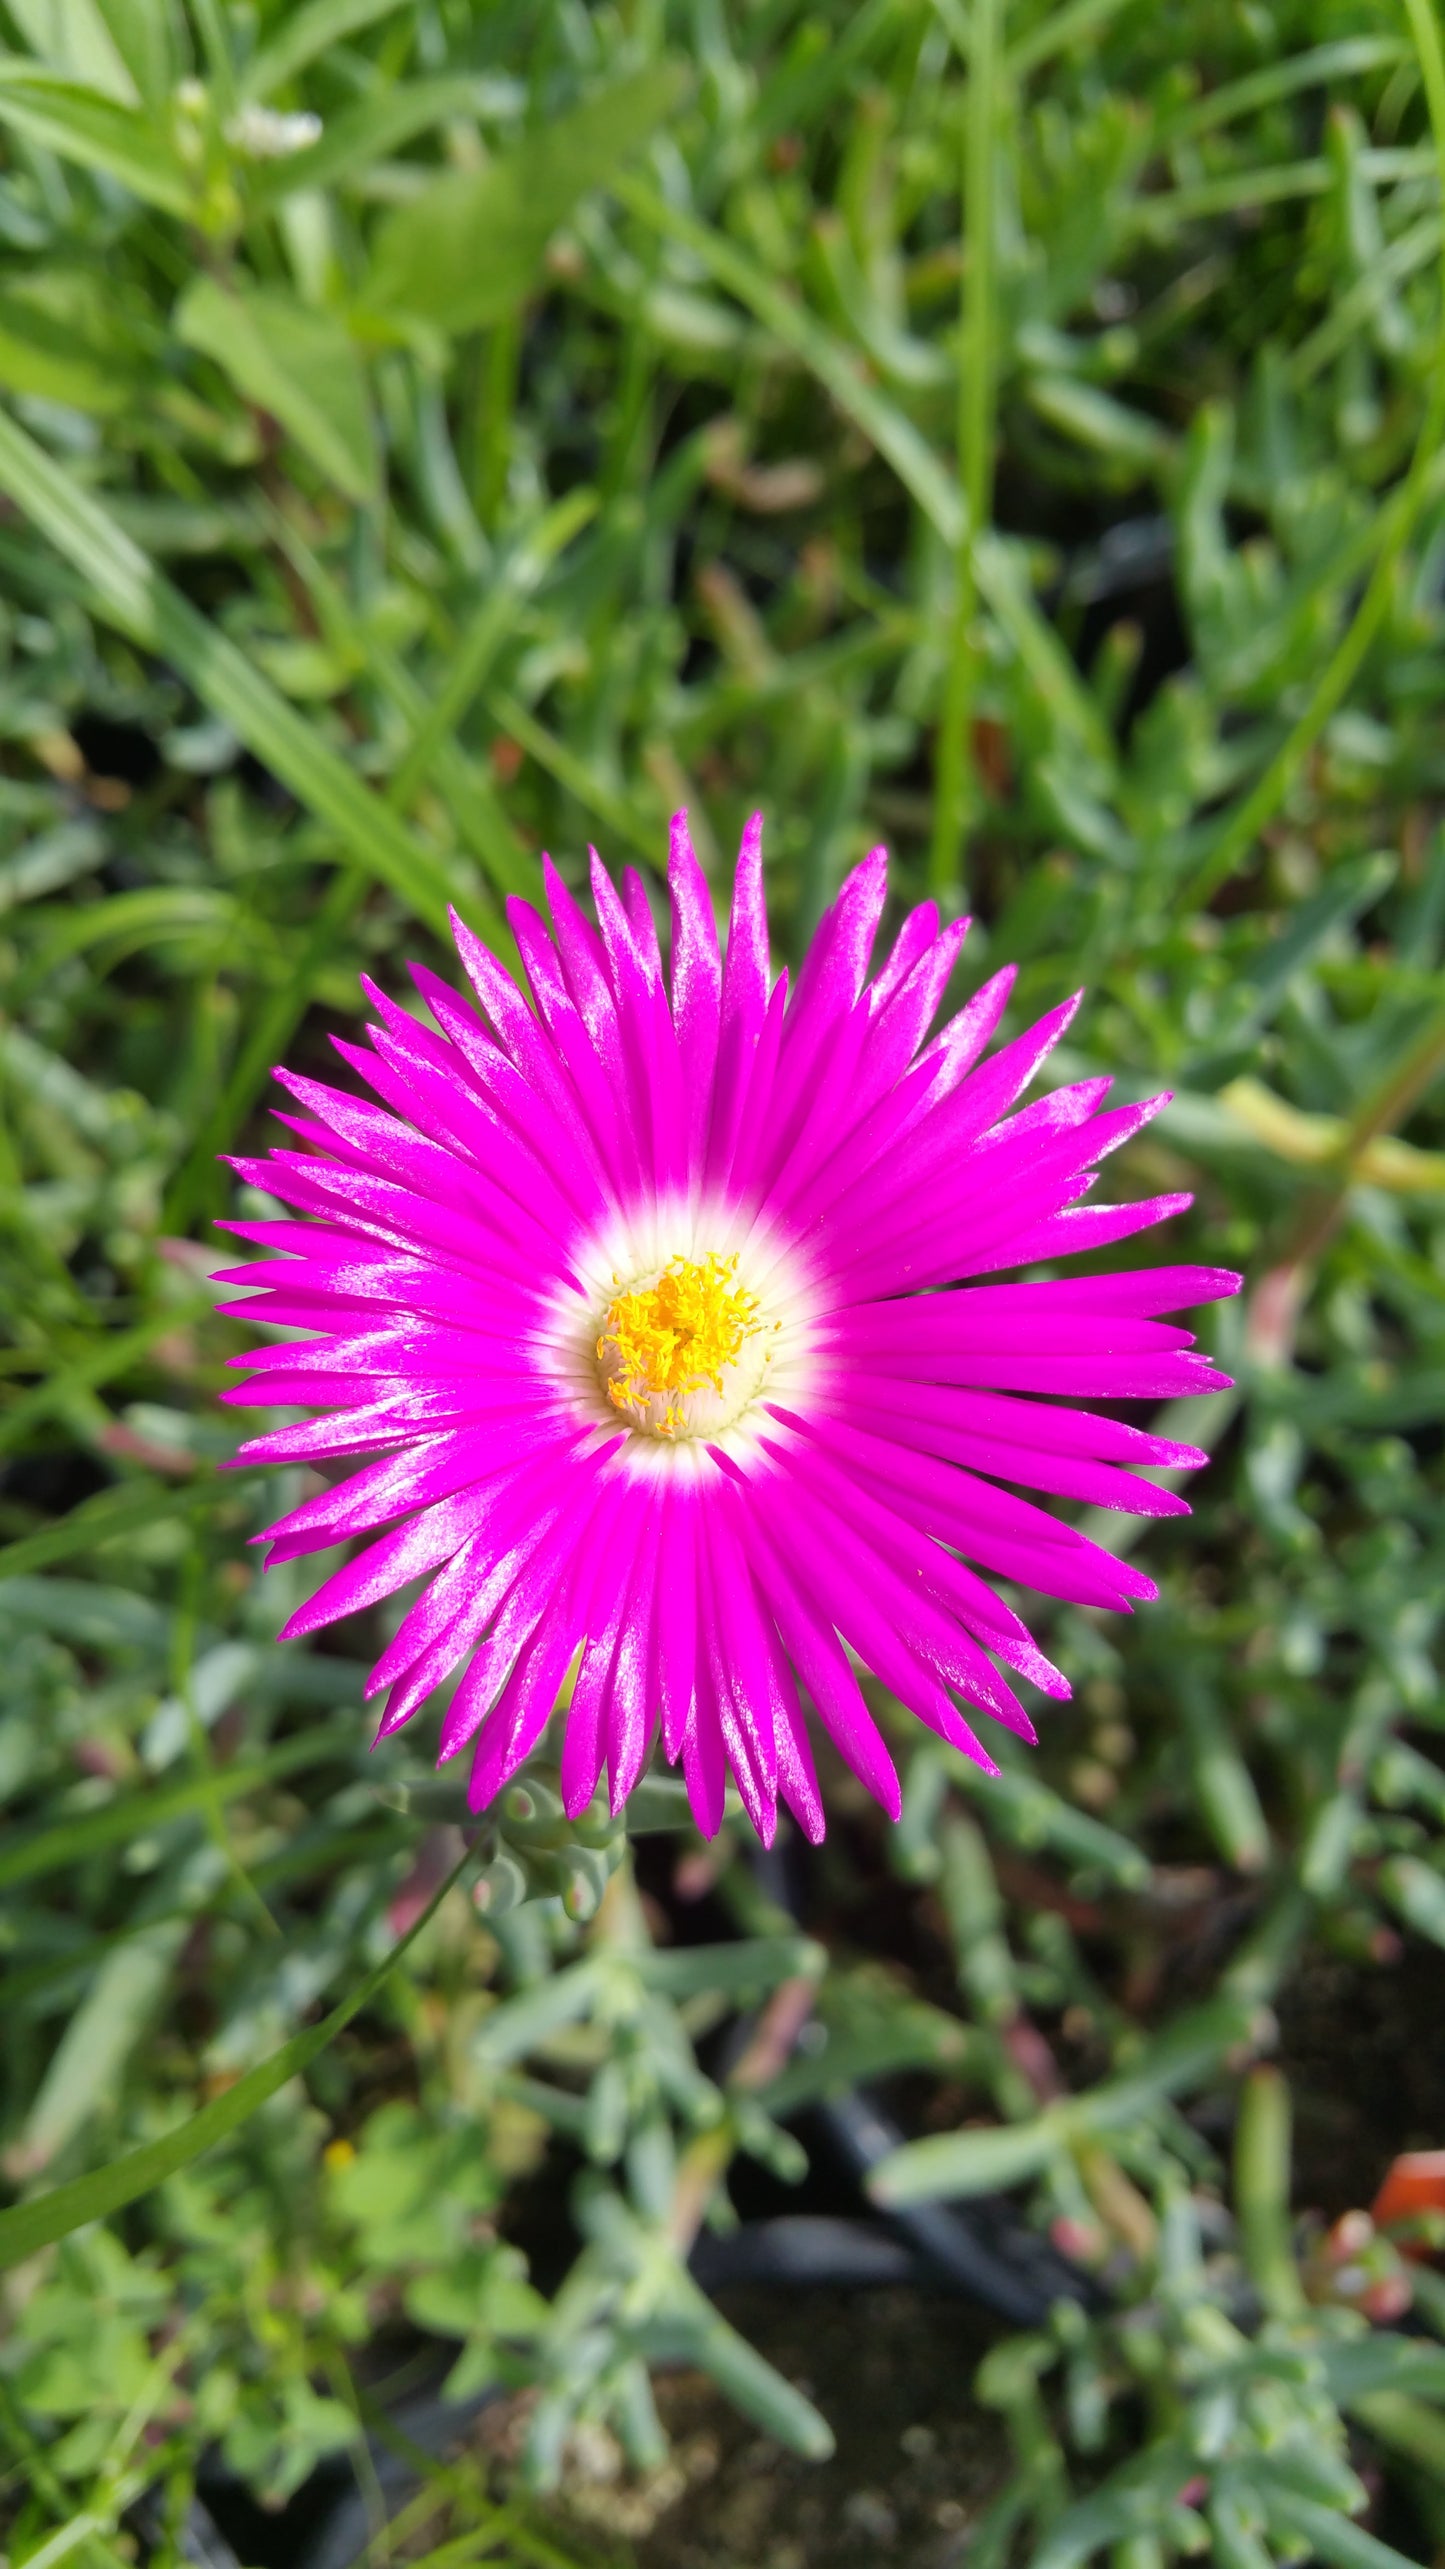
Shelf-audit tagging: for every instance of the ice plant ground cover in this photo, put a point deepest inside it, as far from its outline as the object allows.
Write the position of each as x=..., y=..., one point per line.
x=1008, y=432
x=636, y=1301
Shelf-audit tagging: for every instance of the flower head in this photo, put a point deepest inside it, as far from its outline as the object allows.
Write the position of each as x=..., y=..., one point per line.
x=655, y=1305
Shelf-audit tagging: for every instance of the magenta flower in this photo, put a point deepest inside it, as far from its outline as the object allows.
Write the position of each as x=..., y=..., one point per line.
x=642, y=1299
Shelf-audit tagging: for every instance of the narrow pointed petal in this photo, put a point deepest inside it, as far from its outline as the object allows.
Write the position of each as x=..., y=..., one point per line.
x=771, y=1209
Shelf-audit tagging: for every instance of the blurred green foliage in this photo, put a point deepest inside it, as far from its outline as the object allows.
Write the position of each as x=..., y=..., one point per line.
x=431, y=433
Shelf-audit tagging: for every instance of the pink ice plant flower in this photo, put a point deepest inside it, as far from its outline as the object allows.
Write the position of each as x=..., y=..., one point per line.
x=654, y=1304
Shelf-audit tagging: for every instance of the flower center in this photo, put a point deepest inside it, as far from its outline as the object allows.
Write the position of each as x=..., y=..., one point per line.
x=678, y=1335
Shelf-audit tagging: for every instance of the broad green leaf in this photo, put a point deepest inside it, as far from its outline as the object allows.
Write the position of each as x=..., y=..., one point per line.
x=140, y=32
x=307, y=33
x=101, y=133
x=296, y=363
x=65, y=337
x=45, y=864
x=52, y=342
x=91, y=2055
x=78, y=39
x=130, y=593
x=1384, y=2362
x=87, y=1614
x=27, y=2227
x=467, y=250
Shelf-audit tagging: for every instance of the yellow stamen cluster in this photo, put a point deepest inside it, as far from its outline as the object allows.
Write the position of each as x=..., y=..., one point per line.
x=674, y=1336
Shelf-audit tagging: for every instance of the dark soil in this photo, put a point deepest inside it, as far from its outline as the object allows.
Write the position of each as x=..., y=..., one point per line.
x=917, y=2459
x=1363, y=2047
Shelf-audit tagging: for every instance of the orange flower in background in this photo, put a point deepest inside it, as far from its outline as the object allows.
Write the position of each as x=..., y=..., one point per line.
x=1414, y=2184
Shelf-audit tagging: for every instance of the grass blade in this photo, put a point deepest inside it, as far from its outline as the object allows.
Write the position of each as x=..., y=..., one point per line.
x=27, y=2227
x=132, y=595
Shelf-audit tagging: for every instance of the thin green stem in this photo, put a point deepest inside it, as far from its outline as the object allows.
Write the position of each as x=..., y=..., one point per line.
x=500, y=368
x=1344, y=59
x=1318, y=1216
x=956, y=797
x=483, y=639
x=1402, y=1089
x=215, y=45
x=203, y=1764
x=1158, y=218
x=1261, y=2192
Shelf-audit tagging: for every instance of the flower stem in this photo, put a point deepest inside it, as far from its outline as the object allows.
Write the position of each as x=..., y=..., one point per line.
x=1278, y=1299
